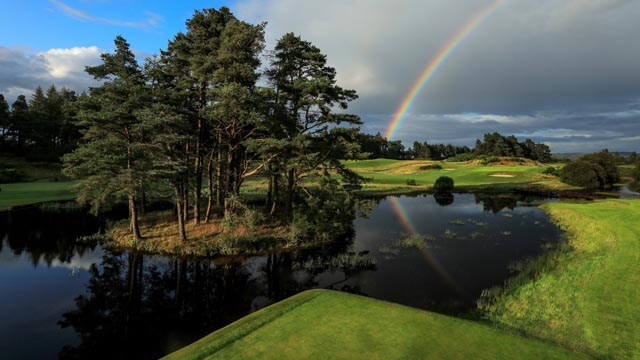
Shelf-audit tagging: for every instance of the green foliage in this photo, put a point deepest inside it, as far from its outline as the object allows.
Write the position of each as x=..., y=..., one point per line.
x=462, y=157
x=487, y=160
x=430, y=167
x=496, y=144
x=10, y=175
x=593, y=171
x=584, y=174
x=411, y=182
x=551, y=171
x=443, y=184
x=635, y=178
x=326, y=215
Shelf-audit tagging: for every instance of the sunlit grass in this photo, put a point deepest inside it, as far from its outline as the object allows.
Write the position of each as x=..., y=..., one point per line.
x=392, y=175
x=584, y=295
x=321, y=324
x=34, y=192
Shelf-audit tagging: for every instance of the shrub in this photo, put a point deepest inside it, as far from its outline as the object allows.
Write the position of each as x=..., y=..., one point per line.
x=550, y=171
x=412, y=182
x=462, y=157
x=490, y=160
x=584, y=174
x=431, y=167
x=9, y=175
x=609, y=163
x=444, y=184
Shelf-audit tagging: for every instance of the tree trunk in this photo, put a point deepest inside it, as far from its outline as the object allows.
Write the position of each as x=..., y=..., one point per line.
x=207, y=216
x=276, y=196
x=197, y=191
x=133, y=212
x=290, y=193
x=228, y=171
x=179, y=208
x=185, y=188
x=219, y=191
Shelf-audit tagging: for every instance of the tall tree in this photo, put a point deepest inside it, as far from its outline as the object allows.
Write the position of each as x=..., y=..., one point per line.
x=4, y=120
x=193, y=55
x=306, y=126
x=19, y=121
x=234, y=114
x=36, y=131
x=111, y=161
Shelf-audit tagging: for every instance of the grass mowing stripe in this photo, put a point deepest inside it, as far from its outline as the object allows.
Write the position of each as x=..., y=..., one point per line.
x=229, y=334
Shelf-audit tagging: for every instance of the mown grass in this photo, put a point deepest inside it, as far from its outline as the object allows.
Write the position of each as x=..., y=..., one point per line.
x=34, y=192
x=323, y=324
x=392, y=176
x=585, y=295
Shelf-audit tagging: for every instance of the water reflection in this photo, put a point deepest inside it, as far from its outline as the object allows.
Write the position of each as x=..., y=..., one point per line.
x=101, y=303
x=151, y=306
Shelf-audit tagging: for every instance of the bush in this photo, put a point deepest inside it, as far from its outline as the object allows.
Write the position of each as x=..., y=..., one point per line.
x=9, y=175
x=490, y=160
x=550, y=171
x=462, y=157
x=412, y=182
x=431, y=167
x=609, y=163
x=584, y=174
x=444, y=184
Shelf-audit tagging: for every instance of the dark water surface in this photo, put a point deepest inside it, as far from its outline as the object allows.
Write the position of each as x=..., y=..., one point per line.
x=65, y=298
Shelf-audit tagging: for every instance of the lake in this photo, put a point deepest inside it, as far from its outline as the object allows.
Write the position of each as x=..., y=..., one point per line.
x=68, y=298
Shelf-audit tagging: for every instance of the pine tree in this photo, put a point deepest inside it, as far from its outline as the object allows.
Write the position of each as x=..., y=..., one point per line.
x=306, y=127
x=4, y=121
x=111, y=161
x=19, y=121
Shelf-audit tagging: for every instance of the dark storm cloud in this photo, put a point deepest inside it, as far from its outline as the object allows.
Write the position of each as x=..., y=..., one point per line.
x=562, y=71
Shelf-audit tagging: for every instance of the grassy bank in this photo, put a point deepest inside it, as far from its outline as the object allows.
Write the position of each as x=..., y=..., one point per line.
x=322, y=324
x=586, y=295
x=392, y=176
x=39, y=182
x=34, y=192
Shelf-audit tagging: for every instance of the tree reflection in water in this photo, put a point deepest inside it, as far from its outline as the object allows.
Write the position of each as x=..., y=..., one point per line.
x=142, y=307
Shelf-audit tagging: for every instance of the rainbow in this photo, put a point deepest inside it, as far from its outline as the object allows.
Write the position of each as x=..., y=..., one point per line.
x=408, y=226
x=432, y=67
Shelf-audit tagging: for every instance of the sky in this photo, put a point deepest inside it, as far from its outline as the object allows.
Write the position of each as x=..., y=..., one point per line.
x=562, y=72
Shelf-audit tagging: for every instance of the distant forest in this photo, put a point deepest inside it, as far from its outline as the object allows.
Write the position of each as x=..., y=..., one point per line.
x=495, y=144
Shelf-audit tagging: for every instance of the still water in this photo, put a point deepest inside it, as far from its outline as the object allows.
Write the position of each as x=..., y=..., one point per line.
x=65, y=298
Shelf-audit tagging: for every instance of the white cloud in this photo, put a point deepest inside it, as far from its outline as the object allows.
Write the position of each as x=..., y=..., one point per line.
x=22, y=69
x=63, y=63
x=153, y=20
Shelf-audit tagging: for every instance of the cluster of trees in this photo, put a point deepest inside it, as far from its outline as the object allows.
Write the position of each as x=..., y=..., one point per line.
x=377, y=146
x=496, y=144
x=593, y=171
x=195, y=115
x=41, y=127
x=436, y=151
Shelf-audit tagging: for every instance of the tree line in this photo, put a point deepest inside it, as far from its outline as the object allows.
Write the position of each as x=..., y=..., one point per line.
x=493, y=144
x=194, y=121
x=41, y=128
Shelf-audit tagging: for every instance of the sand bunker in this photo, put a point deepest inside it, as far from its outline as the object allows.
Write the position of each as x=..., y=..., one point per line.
x=449, y=169
x=502, y=175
